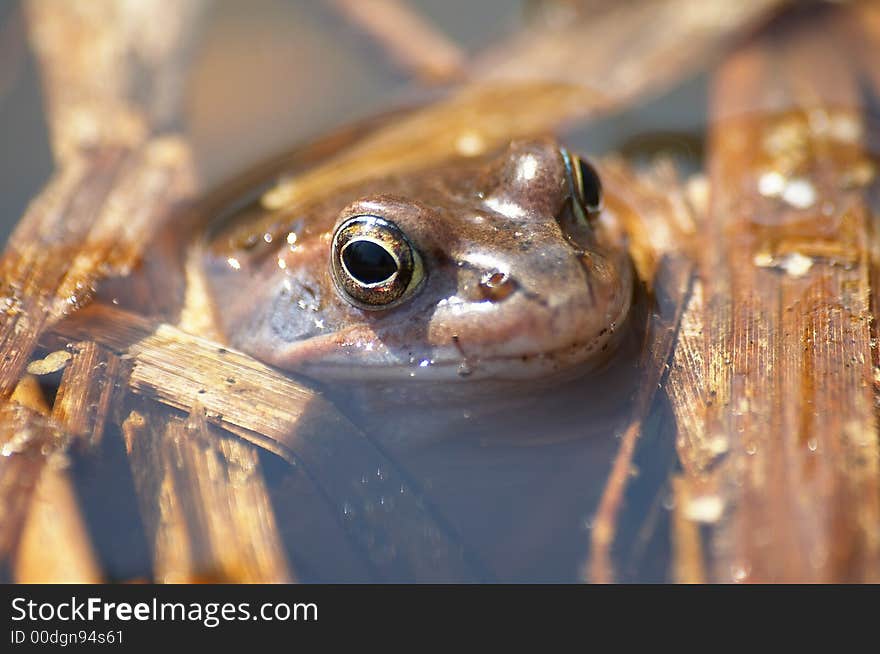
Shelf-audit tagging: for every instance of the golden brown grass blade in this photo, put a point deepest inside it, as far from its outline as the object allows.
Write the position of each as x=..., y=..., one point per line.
x=786, y=372
x=204, y=501
x=652, y=208
x=409, y=39
x=89, y=385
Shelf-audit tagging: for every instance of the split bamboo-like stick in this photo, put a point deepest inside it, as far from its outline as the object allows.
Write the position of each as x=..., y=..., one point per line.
x=781, y=454
x=204, y=501
x=55, y=546
x=42, y=530
x=113, y=186
x=660, y=223
x=89, y=385
x=410, y=40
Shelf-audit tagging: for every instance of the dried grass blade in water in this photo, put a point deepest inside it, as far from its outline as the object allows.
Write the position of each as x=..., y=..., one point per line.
x=32, y=267
x=786, y=289
x=661, y=227
x=42, y=533
x=27, y=440
x=55, y=545
x=623, y=49
x=89, y=385
x=204, y=501
x=113, y=186
x=112, y=72
x=409, y=39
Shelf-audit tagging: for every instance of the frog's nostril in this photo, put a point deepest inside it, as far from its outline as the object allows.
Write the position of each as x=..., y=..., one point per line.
x=496, y=286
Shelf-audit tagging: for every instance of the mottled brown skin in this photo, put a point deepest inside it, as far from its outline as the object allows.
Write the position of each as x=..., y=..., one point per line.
x=566, y=292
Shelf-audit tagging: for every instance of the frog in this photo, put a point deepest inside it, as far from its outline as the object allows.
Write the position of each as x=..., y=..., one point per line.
x=477, y=276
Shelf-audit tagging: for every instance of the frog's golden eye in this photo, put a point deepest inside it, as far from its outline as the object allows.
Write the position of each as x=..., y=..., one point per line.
x=373, y=263
x=586, y=185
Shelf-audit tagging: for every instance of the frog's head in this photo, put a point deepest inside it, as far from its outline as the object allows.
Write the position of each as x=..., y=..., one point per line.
x=493, y=268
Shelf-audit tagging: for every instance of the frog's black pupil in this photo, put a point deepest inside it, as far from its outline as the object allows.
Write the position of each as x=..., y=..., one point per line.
x=592, y=185
x=368, y=262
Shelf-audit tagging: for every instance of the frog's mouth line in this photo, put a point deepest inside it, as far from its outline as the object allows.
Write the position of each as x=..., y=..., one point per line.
x=453, y=361
x=579, y=357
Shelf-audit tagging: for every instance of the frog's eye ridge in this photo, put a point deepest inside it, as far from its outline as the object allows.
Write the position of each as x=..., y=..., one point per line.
x=586, y=185
x=373, y=263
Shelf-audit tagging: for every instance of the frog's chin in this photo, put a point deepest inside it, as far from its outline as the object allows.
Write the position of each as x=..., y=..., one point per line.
x=506, y=400
x=448, y=373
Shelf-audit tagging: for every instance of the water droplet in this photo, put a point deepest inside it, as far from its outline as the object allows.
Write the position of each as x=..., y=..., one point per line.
x=799, y=193
x=704, y=508
x=771, y=184
x=496, y=285
x=718, y=444
x=739, y=573
x=469, y=144
x=796, y=264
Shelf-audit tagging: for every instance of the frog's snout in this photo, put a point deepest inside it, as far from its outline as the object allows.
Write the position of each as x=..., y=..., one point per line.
x=543, y=290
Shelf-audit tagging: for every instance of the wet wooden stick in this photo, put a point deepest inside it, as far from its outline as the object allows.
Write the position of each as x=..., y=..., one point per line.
x=111, y=189
x=55, y=545
x=113, y=186
x=660, y=341
x=660, y=226
x=23, y=433
x=89, y=385
x=42, y=532
x=689, y=566
x=112, y=72
x=410, y=40
x=30, y=277
x=184, y=371
x=787, y=283
x=52, y=543
x=623, y=50
x=204, y=501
